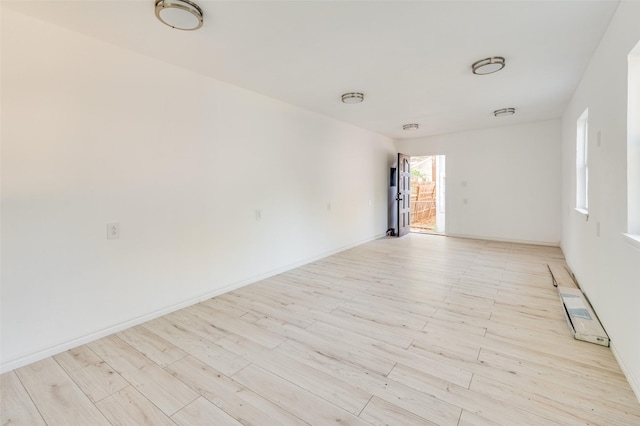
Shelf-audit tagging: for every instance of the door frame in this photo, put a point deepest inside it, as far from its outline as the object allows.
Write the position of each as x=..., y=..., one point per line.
x=403, y=196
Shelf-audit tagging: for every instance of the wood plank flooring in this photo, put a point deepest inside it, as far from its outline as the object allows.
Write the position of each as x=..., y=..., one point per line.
x=420, y=330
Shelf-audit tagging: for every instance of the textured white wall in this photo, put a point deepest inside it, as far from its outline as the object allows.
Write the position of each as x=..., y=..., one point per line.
x=509, y=177
x=606, y=265
x=94, y=134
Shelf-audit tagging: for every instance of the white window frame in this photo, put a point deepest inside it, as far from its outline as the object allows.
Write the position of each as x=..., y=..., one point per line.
x=633, y=148
x=582, y=163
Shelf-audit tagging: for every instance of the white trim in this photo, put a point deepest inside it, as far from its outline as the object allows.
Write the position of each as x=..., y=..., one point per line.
x=70, y=344
x=633, y=381
x=582, y=160
x=633, y=240
x=583, y=212
x=506, y=240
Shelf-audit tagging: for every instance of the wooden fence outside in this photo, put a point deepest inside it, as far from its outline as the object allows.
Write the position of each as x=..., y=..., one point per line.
x=423, y=205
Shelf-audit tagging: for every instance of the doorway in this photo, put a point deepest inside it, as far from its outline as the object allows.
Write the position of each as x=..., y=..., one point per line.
x=428, y=194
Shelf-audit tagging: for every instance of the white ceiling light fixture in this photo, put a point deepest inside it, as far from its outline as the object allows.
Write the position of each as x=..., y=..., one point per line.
x=352, y=98
x=504, y=112
x=488, y=65
x=179, y=14
x=412, y=126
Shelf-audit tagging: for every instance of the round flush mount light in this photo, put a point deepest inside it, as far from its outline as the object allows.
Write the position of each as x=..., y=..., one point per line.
x=504, y=112
x=179, y=14
x=352, y=98
x=412, y=126
x=488, y=65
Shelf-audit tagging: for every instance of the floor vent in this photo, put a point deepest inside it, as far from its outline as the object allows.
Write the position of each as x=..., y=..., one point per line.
x=581, y=318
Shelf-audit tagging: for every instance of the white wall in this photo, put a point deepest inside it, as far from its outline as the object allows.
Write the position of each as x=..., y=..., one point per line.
x=606, y=265
x=94, y=134
x=507, y=175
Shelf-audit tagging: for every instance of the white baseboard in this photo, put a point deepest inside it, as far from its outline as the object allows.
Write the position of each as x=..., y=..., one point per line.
x=634, y=382
x=506, y=240
x=81, y=340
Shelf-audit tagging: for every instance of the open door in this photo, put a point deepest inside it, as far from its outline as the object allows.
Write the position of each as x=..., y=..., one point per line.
x=404, y=194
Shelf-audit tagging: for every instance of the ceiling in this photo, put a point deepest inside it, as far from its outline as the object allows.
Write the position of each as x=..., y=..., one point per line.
x=411, y=59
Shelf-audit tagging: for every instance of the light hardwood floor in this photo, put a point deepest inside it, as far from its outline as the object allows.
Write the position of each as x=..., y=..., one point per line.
x=419, y=330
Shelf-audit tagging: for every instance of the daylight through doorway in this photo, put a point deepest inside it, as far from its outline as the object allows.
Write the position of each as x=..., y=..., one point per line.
x=427, y=194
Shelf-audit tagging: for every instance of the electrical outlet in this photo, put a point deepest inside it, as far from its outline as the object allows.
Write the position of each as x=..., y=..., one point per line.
x=258, y=214
x=113, y=231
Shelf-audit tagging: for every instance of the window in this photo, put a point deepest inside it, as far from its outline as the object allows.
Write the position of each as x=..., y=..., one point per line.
x=582, y=167
x=633, y=144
